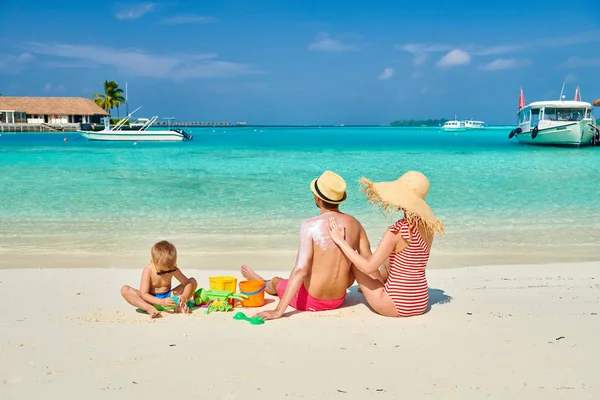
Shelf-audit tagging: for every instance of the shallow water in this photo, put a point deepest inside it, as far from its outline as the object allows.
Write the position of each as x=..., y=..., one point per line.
x=241, y=188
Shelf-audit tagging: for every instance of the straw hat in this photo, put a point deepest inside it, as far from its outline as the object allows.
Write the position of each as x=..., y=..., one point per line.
x=407, y=193
x=329, y=187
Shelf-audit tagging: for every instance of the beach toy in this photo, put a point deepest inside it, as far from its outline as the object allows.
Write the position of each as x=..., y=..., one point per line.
x=255, y=290
x=254, y=320
x=190, y=304
x=224, y=283
x=217, y=300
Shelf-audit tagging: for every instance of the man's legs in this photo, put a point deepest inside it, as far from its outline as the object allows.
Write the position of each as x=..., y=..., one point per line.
x=132, y=296
x=272, y=284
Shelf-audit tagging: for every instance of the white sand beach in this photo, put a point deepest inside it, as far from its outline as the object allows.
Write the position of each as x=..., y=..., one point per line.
x=520, y=331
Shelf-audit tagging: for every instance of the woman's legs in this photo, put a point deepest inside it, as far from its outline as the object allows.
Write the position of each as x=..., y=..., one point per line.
x=374, y=292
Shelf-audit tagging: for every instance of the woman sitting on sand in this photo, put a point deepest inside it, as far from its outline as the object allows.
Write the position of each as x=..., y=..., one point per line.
x=402, y=291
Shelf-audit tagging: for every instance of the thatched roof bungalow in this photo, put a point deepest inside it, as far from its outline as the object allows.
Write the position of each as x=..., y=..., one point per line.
x=53, y=110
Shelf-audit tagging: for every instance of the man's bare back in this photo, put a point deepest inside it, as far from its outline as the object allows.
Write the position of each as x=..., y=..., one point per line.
x=331, y=272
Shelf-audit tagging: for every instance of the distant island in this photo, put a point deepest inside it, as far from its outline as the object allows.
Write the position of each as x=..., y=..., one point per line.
x=419, y=122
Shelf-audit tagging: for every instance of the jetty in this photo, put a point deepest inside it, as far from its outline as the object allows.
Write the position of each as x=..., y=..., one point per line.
x=191, y=124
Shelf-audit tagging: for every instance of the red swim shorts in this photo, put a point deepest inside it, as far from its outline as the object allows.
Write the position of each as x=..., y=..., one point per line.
x=303, y=301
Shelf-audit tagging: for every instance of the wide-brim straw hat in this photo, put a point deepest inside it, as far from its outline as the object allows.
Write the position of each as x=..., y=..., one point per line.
x=329, y=187
x=407, y=193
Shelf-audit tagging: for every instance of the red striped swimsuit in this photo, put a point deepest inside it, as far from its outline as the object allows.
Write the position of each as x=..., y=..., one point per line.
x=406, y=284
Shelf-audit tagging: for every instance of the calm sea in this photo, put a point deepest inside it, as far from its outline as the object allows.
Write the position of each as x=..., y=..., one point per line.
x=247, y=189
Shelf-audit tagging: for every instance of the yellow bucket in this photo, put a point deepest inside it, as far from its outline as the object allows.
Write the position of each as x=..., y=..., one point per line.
x=228, y=283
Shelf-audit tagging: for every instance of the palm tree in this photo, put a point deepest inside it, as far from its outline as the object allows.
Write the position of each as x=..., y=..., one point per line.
x=111, y=98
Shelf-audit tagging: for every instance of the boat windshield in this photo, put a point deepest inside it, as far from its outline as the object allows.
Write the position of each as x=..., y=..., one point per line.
x=524, y=115
x=564, y=114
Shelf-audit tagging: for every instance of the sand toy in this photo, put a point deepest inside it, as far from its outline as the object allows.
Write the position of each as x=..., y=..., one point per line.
x=254, y=320
x=216, y=300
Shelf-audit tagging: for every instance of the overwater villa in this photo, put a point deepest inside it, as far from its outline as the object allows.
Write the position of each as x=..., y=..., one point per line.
x=49, y=110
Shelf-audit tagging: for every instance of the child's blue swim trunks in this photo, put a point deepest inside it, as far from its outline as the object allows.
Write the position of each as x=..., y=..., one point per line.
x=162, y=295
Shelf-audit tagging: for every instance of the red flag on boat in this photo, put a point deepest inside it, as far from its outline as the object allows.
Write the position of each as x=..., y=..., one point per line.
x=521, y=100
x=577, y=94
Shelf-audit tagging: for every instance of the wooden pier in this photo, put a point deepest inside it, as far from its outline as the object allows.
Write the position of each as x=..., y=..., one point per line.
x=192, y=124
x=44, y=127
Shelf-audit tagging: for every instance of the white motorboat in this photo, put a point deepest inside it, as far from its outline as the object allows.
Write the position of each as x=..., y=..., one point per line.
x=556, y=123
x=454, y=126
x=117, y=133
x=471, y=124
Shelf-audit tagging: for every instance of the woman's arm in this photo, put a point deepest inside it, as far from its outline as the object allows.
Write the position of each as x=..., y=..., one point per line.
x=369, y=264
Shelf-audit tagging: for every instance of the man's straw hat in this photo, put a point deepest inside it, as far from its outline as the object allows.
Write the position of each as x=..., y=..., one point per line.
x=329, y=187
x=407, y=193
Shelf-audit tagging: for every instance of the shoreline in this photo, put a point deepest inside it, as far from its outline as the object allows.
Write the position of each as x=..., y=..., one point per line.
x=276, y=260
x=497, y=332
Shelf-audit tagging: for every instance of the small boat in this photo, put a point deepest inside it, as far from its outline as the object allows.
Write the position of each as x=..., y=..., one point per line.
x=471, y=124
x=454, y=126
x=556, y=123
x=118, y=134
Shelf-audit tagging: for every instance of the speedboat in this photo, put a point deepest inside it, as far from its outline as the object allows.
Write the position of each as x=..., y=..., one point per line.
x=556, y=123
x=117, y=133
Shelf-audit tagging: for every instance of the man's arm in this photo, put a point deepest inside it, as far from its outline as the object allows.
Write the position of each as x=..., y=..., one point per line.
x=301, y=269
x=364, y=246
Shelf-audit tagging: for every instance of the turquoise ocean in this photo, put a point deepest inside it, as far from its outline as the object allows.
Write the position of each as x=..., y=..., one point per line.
x=247, y=189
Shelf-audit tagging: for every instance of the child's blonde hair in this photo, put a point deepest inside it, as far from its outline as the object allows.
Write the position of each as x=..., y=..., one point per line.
x=164, y=255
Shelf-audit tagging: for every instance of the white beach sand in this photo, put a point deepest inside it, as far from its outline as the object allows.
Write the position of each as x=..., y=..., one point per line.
x=520, y=332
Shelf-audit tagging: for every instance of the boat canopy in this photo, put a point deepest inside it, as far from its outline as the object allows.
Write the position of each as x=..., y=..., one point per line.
x=559, y=104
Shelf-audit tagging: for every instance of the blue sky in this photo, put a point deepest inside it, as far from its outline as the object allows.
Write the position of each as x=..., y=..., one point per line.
x=305, y=62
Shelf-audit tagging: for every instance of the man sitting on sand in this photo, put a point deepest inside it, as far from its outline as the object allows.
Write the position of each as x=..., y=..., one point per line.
x=322, y=272
x=155, y=288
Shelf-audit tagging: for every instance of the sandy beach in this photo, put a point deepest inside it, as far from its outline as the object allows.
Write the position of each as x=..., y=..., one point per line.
x=524, y=331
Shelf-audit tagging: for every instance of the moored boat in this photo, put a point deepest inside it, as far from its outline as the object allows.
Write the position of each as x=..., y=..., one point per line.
x=118, y=134
x=454, y=126
x=556, y=123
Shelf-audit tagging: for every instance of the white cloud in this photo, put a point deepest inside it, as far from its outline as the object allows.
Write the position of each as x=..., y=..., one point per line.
x=324, y=42
x=24, y=58
x=420, y=50
x=133, y=10
x=13, y=64
x=454, y=58
x=50, y=88
x=505, y=63
x=417, y=74
x=135, y=62
x=570, y=78
x=427, y=90
x=386, y=74
x=579, y=62
x=188, y=19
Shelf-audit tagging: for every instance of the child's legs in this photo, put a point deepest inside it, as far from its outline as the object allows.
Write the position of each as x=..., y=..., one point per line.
x=178, y=290
x=132, y=296
x=375, y=294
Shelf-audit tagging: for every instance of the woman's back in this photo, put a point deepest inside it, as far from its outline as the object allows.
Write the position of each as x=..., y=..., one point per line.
x=407, y=284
